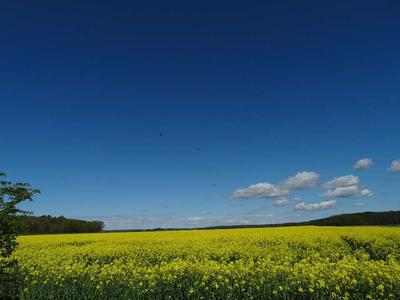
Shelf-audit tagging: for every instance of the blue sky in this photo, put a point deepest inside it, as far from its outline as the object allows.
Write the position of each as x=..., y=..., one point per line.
x=170, y=113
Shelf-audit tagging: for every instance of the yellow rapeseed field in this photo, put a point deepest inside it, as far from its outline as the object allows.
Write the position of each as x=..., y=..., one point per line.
x=271, y=263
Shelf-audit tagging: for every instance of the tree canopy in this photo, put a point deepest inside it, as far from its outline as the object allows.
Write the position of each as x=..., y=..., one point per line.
x=11, y=195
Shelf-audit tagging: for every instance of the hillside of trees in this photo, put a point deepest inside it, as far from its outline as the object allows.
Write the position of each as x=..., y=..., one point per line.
x=387, y=218
x=364, y=218
x=354, y=219
x=49, y=224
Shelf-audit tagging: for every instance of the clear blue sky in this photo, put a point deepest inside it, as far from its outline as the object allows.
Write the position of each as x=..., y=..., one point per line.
x=167, y=113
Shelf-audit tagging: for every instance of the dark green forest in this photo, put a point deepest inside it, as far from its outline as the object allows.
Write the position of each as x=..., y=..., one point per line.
x=385, y=218
x=364, y=218
x=49, y=224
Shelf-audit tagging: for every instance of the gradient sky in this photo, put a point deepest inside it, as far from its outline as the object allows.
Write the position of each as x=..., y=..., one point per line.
x=167, y=113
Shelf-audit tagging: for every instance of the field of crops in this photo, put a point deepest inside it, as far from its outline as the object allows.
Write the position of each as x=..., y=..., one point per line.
x=272, y=263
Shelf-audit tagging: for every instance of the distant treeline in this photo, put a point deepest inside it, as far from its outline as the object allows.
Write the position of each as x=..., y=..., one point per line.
x=386, y=218
x=49, y=224
x=364, y=218
x=355, y=219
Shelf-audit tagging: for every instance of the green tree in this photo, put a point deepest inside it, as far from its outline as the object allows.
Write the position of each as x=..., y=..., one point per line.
x=11, y=195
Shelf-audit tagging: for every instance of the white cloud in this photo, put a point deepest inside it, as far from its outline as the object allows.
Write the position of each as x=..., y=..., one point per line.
x=316, y=206
x=345, y=187
x=366, y=193
x=282, y=202
x=347, y=192
x=260, y=190
x=302, y=180
x=298, y=199
x=342, y=192
x=343, y=181
x=395, y=166
x=364, y=163
x=358, y=204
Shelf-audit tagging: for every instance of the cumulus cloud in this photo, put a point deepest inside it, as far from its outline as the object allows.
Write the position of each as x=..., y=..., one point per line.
x=345, y=187
x=282, y=202
x=395, y=166
x=364, y=163
x=323, y=205
x=342, y=192
x=260, y=190
x=366, y=193
x=343, y=181
x=347, y=192
x=302, y=180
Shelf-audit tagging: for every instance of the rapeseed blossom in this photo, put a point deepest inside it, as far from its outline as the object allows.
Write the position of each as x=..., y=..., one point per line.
x=271, y=263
